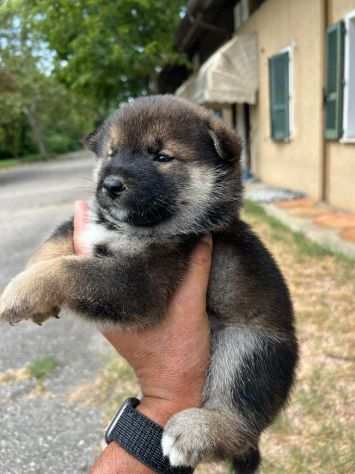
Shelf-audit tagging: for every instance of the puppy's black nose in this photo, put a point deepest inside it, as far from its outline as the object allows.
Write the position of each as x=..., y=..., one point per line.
x=113, y=185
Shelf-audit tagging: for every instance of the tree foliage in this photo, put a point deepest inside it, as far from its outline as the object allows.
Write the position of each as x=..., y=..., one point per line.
x=65, y=63
x=37, y=113
x=109, y=50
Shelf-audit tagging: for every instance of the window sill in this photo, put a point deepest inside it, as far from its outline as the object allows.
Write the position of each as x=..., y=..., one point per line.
x=281, y=141
x=347, y=141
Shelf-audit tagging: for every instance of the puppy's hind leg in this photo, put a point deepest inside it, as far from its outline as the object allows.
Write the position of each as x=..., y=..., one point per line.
x=249, y=379
x=218, y=430
x=248, y=463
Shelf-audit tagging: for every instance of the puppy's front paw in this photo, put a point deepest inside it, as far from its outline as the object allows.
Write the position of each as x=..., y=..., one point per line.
x=186, y=439
x=28, y=296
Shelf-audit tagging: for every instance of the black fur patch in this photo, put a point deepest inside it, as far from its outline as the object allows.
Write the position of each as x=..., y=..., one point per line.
x=216, y=215
x=263, y=381
x=101, y=250
x=150, y=195
x=248, y=463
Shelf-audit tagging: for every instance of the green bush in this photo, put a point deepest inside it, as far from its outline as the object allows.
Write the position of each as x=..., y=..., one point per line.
x=60, y=143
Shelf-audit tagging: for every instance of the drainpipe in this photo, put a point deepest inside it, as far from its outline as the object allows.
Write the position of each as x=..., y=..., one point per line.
x=324, y=171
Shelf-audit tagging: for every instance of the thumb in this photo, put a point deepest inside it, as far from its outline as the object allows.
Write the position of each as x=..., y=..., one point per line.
x=80, y=221
x=195, y=281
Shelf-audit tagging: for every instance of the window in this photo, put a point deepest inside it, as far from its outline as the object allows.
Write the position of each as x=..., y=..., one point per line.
x=218, y=112
x=334, y=81
x=280, y=81
x=349, y=76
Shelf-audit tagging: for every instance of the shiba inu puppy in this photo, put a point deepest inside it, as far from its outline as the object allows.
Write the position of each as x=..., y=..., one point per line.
x=168, y=172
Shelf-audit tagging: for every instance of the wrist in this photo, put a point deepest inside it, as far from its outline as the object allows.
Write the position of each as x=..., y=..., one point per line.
x=161, y=410
x=137, y=430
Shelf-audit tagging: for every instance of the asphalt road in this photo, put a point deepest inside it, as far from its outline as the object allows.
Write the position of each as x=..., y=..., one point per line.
x=45, y=433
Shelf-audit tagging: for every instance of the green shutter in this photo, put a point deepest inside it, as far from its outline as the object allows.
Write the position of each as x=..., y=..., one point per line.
x=334, y=81
x=279, y=80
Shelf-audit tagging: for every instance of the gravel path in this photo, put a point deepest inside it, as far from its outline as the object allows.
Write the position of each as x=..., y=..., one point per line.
x=44, y=431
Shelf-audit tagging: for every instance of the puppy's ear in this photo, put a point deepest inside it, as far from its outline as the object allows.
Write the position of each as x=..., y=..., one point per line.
x=226, y=142
x=92, y=140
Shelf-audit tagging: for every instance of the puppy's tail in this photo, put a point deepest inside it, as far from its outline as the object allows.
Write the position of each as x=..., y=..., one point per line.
x=248, y=463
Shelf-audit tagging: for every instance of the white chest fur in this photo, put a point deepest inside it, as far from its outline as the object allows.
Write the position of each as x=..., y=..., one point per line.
x=116, y=242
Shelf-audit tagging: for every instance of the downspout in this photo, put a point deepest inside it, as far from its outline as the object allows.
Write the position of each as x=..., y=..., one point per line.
x=324, y=164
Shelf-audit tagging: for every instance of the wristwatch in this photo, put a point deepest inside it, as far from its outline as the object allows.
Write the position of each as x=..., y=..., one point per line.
x=141, y=437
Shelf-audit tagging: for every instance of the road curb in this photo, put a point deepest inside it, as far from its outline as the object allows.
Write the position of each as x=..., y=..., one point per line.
x=327, y=238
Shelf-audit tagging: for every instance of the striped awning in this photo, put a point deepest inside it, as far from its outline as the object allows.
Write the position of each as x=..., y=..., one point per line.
x=229, y=76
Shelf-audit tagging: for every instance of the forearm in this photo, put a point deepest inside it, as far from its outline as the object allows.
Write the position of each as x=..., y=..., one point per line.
x=114, y=460
x=110, y=290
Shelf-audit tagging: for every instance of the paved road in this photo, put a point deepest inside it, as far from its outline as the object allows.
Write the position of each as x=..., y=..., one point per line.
x=45, y=434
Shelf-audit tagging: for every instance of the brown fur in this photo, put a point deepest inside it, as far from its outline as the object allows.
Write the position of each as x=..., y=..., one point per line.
x=53, y=249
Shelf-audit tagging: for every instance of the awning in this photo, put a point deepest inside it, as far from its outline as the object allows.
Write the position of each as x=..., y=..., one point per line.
x=229, y=76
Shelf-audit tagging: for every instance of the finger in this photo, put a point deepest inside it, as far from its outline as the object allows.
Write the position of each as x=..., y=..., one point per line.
x=80, y=221
x=195, y=281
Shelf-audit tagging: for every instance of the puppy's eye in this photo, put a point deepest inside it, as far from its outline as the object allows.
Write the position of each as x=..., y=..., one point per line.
x=162, y=158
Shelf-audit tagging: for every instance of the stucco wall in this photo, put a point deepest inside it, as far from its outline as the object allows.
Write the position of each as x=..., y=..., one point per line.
x=297, y=24
x=340, y=156
x=337, y=9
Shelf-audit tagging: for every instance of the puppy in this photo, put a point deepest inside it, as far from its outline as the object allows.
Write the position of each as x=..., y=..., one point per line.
x=168, y=172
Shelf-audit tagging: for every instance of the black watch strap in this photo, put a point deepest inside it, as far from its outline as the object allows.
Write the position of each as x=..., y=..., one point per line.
x=141, y=437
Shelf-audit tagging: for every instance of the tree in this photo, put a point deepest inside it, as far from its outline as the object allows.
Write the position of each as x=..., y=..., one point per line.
x=65, y=64
x=108, y=50
x=20, y=81
x=31, y=99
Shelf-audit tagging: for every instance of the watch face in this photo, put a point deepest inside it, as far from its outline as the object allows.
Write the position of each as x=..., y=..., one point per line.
x=130, y=402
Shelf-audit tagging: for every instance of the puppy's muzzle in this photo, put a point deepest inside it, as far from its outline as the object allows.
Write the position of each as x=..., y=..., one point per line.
x=113, y=186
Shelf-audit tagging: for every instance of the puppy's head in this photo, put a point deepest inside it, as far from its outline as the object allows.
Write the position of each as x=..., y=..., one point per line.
x=166, y=164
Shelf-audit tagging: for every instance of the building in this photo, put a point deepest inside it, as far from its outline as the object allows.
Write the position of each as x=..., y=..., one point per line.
x=283, y=73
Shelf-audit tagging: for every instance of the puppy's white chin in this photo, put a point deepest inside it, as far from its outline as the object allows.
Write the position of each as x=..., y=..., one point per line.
x=114, y=215
x=120, y=214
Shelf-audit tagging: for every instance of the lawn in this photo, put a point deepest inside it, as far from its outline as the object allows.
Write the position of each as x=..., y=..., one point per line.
x=24, y=160
x=12, y=162
x=316, y=434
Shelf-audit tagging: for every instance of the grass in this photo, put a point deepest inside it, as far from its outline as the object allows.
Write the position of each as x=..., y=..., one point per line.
x=11, y=162
x=316, y=434
x=279, y=231
x=113, y=385
x=41, y=368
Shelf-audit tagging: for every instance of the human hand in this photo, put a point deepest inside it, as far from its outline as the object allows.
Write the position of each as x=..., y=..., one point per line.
x=170, y=360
